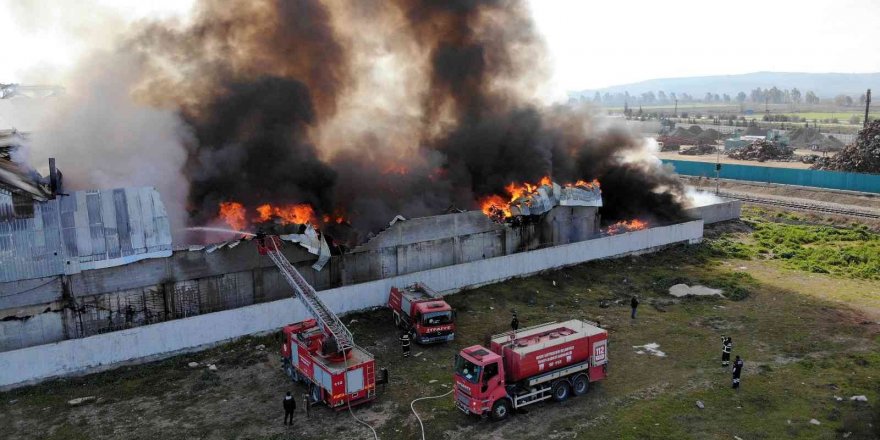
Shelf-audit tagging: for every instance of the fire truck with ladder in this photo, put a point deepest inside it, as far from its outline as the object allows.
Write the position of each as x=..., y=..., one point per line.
x=420, y=310
x=547, y=361
x=320, y=352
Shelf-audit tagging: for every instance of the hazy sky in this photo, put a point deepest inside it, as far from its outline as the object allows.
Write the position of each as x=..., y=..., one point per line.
x=592, y=44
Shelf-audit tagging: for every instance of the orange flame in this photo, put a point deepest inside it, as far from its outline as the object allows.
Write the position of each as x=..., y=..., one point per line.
x=626, y=226
x=299, y=214
x=525, y=189
x=594, y=184
x=498, y=208
x=396, y=169
x=495, y=207
x=234, y=214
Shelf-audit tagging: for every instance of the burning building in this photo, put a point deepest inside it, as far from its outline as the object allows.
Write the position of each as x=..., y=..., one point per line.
x=322, y=123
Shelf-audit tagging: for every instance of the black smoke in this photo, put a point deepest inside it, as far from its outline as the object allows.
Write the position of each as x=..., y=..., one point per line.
x=255, y=81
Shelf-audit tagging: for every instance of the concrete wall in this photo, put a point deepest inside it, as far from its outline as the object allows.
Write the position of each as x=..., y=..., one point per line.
x=717, y=212
x=102, y=351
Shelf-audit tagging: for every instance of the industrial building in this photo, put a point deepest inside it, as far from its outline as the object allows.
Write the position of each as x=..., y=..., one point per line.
x=86, y=263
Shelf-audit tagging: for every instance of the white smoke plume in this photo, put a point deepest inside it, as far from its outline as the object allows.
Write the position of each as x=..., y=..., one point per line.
x=103, y=138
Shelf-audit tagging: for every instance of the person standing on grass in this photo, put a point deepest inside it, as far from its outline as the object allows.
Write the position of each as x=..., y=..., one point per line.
x=737, y=371
x=404, y=344
x=289, y=408
x=726, y=348
x=634, y=303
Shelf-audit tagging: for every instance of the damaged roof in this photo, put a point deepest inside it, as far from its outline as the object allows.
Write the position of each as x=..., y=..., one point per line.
x=81, y=231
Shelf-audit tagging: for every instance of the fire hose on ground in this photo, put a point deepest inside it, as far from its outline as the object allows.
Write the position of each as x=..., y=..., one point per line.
x=413, y=408
x=348, y=401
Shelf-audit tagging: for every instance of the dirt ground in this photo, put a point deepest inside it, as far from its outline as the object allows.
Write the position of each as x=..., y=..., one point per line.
x=712, y=158
x=806, y=341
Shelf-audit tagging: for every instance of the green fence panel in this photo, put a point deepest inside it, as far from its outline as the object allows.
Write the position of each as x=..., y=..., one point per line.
x=787, y=176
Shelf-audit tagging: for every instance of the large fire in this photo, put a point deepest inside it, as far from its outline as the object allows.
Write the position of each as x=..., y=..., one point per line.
x=234, y=214
x=498, y=207
x=237, y=217
x=299, y=214
x=626, y=226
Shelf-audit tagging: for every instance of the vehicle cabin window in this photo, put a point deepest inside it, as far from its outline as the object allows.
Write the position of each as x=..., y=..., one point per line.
x=490, y=371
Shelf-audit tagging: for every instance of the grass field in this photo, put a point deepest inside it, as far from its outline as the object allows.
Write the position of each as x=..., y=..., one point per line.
x=807, y=337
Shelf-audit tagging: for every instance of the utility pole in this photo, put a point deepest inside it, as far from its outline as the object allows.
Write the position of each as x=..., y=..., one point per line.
x=867, y=107
x=717, y=168
x=676, y=107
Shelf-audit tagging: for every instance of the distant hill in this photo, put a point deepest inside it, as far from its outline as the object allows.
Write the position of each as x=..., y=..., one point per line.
x=826, y=85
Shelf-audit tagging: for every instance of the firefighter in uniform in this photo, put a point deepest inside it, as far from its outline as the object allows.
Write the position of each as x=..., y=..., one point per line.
x=726, y=348
x=404, y=343
x=514, y=323
x=737, y=371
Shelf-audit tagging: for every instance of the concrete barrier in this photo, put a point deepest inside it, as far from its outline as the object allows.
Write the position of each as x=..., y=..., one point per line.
x=77, y=356
x=717, y=212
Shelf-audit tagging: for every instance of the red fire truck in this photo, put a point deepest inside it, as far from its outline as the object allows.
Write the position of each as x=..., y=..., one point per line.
x=320, y=352
x=530, y=365
x=423, y=312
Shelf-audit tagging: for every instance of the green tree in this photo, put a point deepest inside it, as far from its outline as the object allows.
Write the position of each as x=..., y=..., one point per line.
x=795, y=95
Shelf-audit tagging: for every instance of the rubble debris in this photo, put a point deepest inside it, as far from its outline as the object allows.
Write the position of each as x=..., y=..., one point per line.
x=212, y=367
x=699, y=150
x=681, y=290
x=652, y=348
x=193, y=365
x=314, y=243
x=81, y=400
x=859, y=398
x=763, y=150
x=861, y=156
x=815, y=422
x=700, y=404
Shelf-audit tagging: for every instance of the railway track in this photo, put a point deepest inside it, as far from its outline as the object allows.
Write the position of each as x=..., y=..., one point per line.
x=810, y=207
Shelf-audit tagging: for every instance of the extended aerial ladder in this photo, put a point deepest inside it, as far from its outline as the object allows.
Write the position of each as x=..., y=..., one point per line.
x=332, y=327
x=320, y=352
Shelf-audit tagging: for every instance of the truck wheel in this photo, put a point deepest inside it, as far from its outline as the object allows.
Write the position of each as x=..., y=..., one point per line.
x=500, y=410
x=560, y=391
x=581, y=385
x=315, y=393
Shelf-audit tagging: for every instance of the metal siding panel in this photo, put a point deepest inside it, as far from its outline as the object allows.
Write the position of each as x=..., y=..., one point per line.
x=147, y=217
x=80, y=231
x=68, y=224
x=135, y=221
x=83, y=235
x=111, y=233
x=96, y=225
x=163, y=225
x=123, y=226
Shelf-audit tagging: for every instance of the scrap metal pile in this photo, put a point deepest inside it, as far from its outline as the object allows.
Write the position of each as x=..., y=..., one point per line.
x=699, y=150
x=806, y=137
x=862, y=156
x=763, y=150
x=694, y=135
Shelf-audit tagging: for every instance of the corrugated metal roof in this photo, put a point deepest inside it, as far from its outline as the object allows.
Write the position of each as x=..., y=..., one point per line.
x=81, y=231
